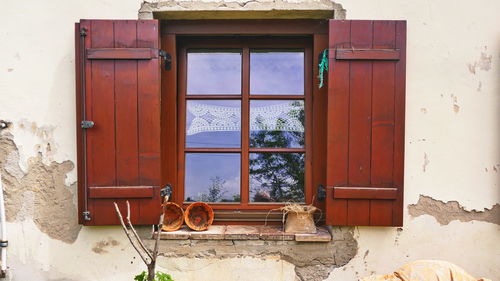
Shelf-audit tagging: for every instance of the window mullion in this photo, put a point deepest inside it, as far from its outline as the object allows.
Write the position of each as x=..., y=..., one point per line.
x=245, y=130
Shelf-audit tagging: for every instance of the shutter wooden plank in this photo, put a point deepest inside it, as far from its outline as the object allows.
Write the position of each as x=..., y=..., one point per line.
x=149, y=117
x=399, y=127
x=384, y=36
x=127, y=161
x=101, y=139
x=338, y=122
x=360, y=107
x=127, y=164
x=364, y=193
x=366, y=54
x=149, y=108
x=101, y=150
x=360, y=103
x=121, y=192
x=120, y=53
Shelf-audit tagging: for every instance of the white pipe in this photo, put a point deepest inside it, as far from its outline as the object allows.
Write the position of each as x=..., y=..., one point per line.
x=3, y=233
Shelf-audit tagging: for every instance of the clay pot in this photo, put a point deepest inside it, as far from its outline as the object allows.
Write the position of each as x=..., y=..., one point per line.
x=173, y=216
x=199, y=216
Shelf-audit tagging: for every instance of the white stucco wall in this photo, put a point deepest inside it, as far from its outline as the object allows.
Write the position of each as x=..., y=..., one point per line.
x=452, y=141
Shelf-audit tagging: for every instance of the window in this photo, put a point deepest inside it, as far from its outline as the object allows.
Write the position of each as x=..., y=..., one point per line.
x=229, y=112
x=243, y=121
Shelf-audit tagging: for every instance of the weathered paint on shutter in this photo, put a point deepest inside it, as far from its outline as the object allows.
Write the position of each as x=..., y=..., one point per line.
x=365, y=136
x=119, y=157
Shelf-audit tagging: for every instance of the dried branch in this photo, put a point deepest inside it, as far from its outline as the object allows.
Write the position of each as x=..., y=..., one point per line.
x=158, y=233
x=132, y=233
x=135, y=233
x=129, y=236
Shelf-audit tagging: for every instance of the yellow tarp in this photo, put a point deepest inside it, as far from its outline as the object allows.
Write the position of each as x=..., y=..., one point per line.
x=426, y=270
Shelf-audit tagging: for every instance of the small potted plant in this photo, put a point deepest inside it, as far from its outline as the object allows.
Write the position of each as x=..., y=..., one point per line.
x=299, y=218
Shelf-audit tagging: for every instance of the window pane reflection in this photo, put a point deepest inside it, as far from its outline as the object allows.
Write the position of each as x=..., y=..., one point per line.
x=277, y=123
x=276, y=72
x=213, y=123
x=212, y=72
x=277, y=177
x=212, y=177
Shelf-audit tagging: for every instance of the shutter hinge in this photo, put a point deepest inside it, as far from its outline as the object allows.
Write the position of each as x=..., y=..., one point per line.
x=86, y=124
x=86, y=216
x=83, y=32
x=167, y=59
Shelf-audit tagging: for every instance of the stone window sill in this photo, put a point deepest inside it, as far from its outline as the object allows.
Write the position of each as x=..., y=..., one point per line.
x=246, y=232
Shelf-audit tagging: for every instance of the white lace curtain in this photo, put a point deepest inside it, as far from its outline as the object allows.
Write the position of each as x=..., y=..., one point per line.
x=214, y=118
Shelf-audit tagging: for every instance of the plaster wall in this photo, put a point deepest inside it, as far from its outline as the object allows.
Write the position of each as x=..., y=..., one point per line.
x=452, y=143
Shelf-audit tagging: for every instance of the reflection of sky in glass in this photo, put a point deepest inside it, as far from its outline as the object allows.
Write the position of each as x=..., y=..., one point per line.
x=214, y=73
x=205, y=169
x=213, y=123
x=276, y=73
x=277, y=177
x=281, y=123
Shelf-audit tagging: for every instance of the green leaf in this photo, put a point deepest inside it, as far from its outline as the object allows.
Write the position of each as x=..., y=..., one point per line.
x=163, y=276
x=141, y=277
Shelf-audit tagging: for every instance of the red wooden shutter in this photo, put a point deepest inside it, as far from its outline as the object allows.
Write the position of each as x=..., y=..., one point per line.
x=118, y=88
x=365, y=138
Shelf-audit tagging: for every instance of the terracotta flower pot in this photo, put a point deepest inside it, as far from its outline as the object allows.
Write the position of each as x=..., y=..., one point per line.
x=199, y=216
x=173, y=216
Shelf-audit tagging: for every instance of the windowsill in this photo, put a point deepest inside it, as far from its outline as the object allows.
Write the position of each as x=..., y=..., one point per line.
x=246, y=232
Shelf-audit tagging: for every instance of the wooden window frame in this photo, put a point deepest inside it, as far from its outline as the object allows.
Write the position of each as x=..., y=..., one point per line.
x=245, y=44
x=173, y=32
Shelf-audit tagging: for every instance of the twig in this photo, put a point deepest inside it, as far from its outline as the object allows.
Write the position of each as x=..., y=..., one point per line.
x=135, y=233
x=129, y=236
x=151, y=264
x=158, y=232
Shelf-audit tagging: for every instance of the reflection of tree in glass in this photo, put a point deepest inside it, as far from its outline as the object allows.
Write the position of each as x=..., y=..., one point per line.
x=279, y=176
x=236, y=198
x=280, y=137
x=216, y=191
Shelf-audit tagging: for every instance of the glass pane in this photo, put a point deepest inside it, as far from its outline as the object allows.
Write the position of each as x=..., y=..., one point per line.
x=276, y=72
x=213, y=123
x=213, y=72
x=212, y=177
x=277, y=123
x=277, y=177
